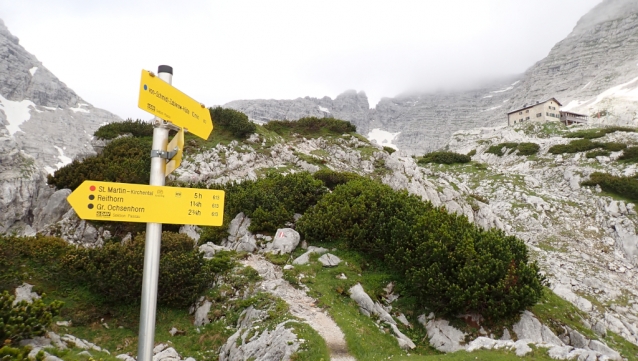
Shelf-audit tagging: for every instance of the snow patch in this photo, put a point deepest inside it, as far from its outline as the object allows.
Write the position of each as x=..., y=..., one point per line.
x=516, y=82
x=33, y=70
x=586, y=85
x=64, y=160
x=492, y=108
x=620, y=91
x=324, y=109
x=505, y=101
x=383, y=137
x=49, y=170
x=16, y=113
x=50, y=108
x=79, y=108
x=573, y=104
x=488, y=96
x=503, y=90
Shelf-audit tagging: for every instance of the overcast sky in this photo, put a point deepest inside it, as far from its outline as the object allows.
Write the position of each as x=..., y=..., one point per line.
x=228, y=50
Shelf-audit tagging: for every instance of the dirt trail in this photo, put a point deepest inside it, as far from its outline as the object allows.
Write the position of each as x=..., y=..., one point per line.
x=302, y=306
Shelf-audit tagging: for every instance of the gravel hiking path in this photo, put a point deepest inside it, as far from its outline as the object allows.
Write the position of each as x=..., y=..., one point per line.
x=302, y=306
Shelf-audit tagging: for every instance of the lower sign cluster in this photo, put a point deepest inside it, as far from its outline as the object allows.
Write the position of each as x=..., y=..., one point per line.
x=125, y=202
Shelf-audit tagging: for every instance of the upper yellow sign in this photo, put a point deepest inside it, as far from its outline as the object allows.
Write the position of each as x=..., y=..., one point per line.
x=176, y=144
x=165, y=101
x=124, y=202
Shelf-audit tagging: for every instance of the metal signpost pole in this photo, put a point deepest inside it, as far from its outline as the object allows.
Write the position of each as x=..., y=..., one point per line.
x=153, y=236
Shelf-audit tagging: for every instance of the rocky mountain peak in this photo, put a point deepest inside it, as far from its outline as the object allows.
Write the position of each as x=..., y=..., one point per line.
x=608, y=10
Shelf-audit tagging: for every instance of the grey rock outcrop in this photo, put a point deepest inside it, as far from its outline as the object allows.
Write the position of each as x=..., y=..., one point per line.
x=268, y=345
x=239, y=237
x=24, y=293
x=441, y=334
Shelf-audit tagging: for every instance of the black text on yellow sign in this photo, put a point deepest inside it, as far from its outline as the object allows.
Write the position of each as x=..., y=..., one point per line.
x=167, y=102
x=124, y=202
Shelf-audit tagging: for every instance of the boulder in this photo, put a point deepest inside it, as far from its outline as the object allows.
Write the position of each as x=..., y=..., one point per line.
x=305, y=258
x=604, y=349
x=329, y=260
x=577, y=339
x=210, y=249
x=201, y=314
x=442, y=335
x=191, y=231
x=285, y=241
x=54, y=209
x=24, y=293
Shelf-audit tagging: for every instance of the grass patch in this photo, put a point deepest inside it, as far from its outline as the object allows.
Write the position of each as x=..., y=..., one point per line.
x=311, y=127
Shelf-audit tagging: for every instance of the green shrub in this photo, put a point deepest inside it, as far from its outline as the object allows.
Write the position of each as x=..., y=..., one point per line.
x=8, y=353
x=527, y=148
x=613, y=146
x=444, y=157
x=138, y=128
x=124, y=160
x=114, y=271
x=575, y=146
x=471, y=153
x=310, y=126
x=331, y=178
x=24, y=320
x=390, y=150
x=235, y=121
x=629, y=154
x=597, y=133
x=450, y=265
x=498, y=149
x=626, y=187
x=597, y=153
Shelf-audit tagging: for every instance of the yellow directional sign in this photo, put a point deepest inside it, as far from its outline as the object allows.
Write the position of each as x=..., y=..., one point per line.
x=165, y=101
x=176, y=144
x=124, y=202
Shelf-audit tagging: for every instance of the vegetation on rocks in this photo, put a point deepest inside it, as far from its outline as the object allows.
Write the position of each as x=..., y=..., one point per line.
x=114, y=271
x=450, y=265
x=584, y=145
x=234, y=121
x=23, y=320
x=597, y=153
x=597, y=132
x=444, y=157
x=331, y=178
x=124, y=160
x=137, y=128
x=311, y=126
x=626, y=187
x=525, y=148
x=629, y=155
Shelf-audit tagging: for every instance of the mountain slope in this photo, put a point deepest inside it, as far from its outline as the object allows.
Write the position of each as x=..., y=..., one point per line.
x=594, y=70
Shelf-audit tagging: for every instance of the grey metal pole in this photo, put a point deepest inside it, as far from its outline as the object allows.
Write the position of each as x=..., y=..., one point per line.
x=146, y=340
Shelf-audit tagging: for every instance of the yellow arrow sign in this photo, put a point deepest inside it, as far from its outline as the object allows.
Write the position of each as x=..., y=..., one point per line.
x=165, y=101
x=176, y=144
x=124, y=202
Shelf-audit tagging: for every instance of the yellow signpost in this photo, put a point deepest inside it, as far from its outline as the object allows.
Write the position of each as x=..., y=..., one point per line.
x=177, y=144
x=124, y=202
x=163, y=100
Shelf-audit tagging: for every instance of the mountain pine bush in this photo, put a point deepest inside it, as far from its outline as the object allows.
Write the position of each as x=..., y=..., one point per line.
x=449, y=264
x=332, y=178
x=137, y=128
x=235, y=121
x=524, y=148
x=597, y=133
x=310, y=126
x=124, y=160
x=629, y=155
x=626, y=187
x=23, y=320
x=444, y=157
x=114, y=271
x=498, y=149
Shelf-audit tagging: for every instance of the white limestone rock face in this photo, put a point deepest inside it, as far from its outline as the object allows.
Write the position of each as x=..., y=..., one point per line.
x=268, y=345
x=442, y=335
x=369, y=308
x=240, y=238
x=53, y=124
